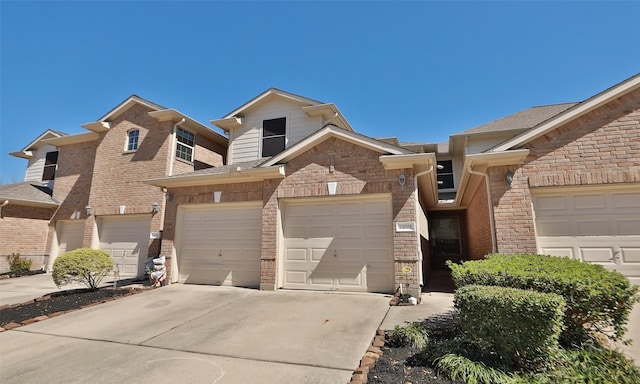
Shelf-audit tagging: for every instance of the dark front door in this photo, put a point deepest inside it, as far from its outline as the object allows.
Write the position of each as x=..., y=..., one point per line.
x=446, y=240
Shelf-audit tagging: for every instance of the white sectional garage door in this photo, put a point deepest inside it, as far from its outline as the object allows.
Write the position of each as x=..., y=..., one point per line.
x=332, y=244
x=70, y=234
x=127, y=241
x=596, y=226
x=220, y=244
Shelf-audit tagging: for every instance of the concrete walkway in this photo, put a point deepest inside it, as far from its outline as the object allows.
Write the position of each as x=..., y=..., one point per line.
x=199, y=334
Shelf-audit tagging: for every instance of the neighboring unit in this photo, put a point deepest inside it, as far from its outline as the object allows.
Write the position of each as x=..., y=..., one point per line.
x=98, y=199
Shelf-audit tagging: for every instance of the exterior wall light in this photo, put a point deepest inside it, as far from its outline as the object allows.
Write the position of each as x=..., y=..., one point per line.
x=402, y=179
x=155, y=208
x=89, y=210
x=509, y=177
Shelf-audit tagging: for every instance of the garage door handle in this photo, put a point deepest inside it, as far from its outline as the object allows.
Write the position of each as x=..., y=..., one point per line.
x=220, y=253
x=335, y=253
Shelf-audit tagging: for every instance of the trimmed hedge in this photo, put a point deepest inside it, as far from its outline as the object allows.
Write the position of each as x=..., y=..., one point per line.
x=521, y=326
x=82, y=265
x=598, y=301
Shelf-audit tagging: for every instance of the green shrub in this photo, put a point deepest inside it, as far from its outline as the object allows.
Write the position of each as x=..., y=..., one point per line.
x=471, y=372
x=598, y=301
x=588, y=364
x=414, y=335
x=521, y=326
x=17, y=263
x=82, y=265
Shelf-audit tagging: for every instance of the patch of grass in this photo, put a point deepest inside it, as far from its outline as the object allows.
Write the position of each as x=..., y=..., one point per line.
x=471, y=372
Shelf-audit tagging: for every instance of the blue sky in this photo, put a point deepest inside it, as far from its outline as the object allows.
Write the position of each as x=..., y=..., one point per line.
x=416, y=70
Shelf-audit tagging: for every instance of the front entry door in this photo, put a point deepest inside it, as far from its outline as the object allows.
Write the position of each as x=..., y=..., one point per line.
x=446, y=241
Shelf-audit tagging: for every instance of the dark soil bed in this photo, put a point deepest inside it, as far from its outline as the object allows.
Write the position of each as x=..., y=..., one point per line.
x=60, y=302
x=399, y=366
x=8, y=275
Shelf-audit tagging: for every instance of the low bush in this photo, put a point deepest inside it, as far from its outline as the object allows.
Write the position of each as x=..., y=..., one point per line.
x=598, y=301
x=520, y=326
x=18, y=264
x=82, y=265
x=413, y=335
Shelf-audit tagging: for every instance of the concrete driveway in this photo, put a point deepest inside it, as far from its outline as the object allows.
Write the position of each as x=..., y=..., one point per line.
x=199, y=334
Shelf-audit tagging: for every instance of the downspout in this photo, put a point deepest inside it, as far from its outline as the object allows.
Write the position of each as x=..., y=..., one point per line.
x=173, y=145
x=4, y=203
x=492, y=221
x=418, y=206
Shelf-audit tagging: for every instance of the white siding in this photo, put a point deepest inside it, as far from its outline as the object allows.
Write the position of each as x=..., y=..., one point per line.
x=36, y=163
x=481, y=143
x=245, y=142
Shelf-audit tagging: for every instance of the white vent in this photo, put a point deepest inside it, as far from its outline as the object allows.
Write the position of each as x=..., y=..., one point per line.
x=405, y=226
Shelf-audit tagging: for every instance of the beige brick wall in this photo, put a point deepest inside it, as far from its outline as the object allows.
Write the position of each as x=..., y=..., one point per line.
x=479, y=224
x=25, y=230
x=357, y=171
x=601, y=147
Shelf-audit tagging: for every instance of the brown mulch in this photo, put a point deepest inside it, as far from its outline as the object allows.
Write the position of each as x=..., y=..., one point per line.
x=60, y=302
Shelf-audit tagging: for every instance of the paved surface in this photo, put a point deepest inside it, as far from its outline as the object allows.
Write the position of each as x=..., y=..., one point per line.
x=199, y=334
x=205, y=334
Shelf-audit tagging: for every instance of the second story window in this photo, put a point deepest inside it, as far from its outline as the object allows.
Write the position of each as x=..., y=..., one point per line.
x=445, y=175
x=184, y=147
x=132, y=139
x=273, y=136
x=50, y=164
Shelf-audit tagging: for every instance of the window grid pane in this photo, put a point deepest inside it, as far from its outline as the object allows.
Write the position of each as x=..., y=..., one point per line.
x=184, y=147
x=50, y=165
x=274, y=136
x=132, y=144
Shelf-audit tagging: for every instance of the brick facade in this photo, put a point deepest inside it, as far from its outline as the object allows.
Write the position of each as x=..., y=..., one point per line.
x=478, y=221
x=601, y=147
x=25, y=230
x=357, y=171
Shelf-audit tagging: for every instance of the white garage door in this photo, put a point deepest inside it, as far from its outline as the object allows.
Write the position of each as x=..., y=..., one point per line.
x=600, y=227
x=338, y=245
x=127, y=241
x=220, y=244
x=70, y=234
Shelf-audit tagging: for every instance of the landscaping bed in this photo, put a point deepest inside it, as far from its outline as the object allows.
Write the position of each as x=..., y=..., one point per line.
x=59, y=303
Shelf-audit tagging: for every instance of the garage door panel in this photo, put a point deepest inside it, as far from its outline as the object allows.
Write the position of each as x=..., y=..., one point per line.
x=600, y=227
x=221, y=244
x=126, y=239
x=631, y=254
x=338, y=240
x=70, y=235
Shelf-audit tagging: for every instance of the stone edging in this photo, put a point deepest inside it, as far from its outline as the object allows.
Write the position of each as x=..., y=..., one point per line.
x=12, y=325
x=374, y=352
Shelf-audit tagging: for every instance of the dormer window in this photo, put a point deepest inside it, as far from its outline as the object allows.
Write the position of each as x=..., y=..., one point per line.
x=184, y=146
x=50, y=164
x=132, y=140
x=274, y=133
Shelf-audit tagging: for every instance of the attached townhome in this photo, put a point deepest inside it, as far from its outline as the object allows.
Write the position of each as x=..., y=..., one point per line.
x=297, y=199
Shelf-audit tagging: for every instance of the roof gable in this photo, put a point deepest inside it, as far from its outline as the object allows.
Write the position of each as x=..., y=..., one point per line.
x=25, y=152
x=269, y=93
x=572, y=113
x=102, y=124
x=330, y=131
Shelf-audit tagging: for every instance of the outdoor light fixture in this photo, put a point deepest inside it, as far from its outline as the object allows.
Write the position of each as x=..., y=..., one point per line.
x=509, y=177
x=89, y=210
x=402, y=179
x=154, y=208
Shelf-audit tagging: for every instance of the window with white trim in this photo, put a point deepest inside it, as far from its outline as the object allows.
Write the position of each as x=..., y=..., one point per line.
x=132, y=140
x=50, y=165
x=185, y=144
x=274, y=136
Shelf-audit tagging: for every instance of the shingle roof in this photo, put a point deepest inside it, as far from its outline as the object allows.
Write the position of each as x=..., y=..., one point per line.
x=28, y=192
x=522, y=120
x=226, y=168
